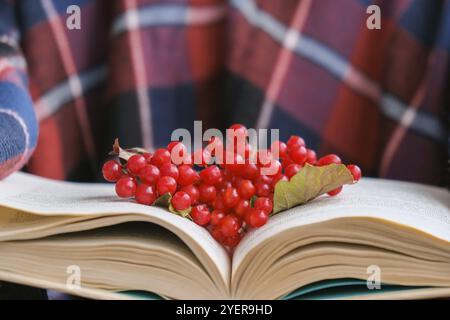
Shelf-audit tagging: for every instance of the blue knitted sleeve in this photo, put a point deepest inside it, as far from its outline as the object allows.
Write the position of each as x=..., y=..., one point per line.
x=18, y=124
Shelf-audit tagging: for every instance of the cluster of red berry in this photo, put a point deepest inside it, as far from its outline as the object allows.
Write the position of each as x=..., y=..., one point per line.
x=226, y=198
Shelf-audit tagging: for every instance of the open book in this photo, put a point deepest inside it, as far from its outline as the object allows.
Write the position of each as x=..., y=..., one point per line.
x=125, y=250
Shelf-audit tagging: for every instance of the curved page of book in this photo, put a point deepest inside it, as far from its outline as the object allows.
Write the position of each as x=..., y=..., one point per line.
x=34, y=208
x=402, y=228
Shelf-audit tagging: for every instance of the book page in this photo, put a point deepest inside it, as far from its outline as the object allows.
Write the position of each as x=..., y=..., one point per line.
x=32, y=194
x=417, y=206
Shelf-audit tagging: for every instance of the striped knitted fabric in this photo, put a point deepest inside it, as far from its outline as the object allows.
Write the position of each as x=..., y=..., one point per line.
x=138, y=69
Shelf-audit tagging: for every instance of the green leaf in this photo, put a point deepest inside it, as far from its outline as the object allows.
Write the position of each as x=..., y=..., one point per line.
x=309, y=183
x=163, y=201
x=183, y=213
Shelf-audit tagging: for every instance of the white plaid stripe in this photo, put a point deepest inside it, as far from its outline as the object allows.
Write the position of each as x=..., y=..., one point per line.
x=75, y=85
x=313, y=50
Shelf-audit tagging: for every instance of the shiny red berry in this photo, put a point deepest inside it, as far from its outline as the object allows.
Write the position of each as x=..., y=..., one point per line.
x=263, y=190
x=211, y=175
x=207, y=193
x=230, y=197
x=166, y=185
x=335, y=192
x=200, y=215
x=232, y=241
x=298, y=154
x=216, y=217
x=294, y=142
x=230, y=225
x=329, y=159
x=311, y=156
x=126, y=187
x=187, y=175
x=250, y=171
x=264, y=204
x=181, y=201
x=355, y=171
x=241, y=208
x=292, y=169
x=256, y=218
x=149, y=174
x=246, y=189
x=112, y=170
x=135, y=163
x=170, y=170
x=193, y=192
x=145, y=194
x=160, y=157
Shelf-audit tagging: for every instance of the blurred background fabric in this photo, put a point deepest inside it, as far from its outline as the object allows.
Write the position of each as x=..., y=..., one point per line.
x=138, y=69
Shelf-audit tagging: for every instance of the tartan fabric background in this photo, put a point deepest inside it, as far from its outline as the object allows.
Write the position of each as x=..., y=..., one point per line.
x=139, y=69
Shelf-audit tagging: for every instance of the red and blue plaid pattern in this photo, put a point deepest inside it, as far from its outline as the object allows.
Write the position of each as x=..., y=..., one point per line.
x=138, y=69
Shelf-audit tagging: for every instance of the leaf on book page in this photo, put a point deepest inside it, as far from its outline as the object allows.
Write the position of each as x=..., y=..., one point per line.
x=164, y=201
x=309, y=183
x=125, y=154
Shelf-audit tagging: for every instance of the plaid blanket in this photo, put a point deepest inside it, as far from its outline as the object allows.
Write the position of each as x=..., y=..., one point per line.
x=139, y=69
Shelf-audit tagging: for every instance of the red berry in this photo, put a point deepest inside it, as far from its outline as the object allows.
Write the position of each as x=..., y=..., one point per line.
x=246, y=189
x=276, y=179
x=216, y=233
x=232, y=241
x=145, y=194
x=136, y=163
x=201, y=215
x=264, y=204
x=207, y=193
x=262, y=190
x=355, y=171
x=148, y=157
x=230, y=197
x=112, y=170
x=160, y=157
x=170, y=170
x=187, y=175
x=216, y=217
x=311, y=156
x=211, y=175
x=250, y=171
x=193, y=192
x=230, y=225
x=263, y=179
x=329, y=159
x=256, y=218
x=294, y=142
x=181, y=201
x=298, y=154
x=219, y=204
x=126, y=187
x=241, y=208
x=335, y=192
x=166, y=185
x=280, y=148
x=149, y=174
x=292, y=169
